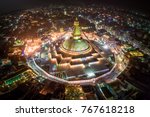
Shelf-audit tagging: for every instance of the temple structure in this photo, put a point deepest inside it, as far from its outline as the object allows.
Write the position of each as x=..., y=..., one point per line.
x=77, y=30
x=76, y=43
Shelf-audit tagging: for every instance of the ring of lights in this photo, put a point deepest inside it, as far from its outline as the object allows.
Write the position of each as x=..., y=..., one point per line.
x=102, y=78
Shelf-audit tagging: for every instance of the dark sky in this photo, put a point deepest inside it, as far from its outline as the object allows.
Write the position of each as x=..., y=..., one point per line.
x=10, y=5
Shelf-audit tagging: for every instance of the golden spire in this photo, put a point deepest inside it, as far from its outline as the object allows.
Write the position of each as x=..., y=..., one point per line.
x=77, y=30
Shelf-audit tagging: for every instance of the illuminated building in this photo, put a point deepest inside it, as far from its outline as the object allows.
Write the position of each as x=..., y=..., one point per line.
x=76, y=57
x=76, y=44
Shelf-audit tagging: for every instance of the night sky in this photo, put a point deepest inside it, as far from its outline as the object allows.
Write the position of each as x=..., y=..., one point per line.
x=11, y=5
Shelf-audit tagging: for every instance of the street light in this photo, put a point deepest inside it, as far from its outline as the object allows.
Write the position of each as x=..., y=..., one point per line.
x=105, y=46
